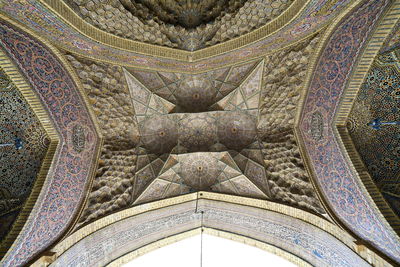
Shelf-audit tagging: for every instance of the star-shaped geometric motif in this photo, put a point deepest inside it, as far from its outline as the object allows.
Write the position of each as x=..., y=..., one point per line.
x=198, y=132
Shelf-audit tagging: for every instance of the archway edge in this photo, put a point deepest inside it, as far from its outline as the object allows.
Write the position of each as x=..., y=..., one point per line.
x=47, y=225
x=317, y=126
x=218, y=209
x=214, y=232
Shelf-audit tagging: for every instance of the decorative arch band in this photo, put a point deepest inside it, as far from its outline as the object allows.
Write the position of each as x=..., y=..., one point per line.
x=91, y=42
x=63, y=191
x=323, y=110
x=311, y=239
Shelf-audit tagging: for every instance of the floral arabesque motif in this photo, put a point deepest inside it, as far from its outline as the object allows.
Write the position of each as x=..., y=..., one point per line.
x=64, y=189
x=342, y=191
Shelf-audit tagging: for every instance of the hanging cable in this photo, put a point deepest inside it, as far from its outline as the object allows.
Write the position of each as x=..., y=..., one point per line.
x=201, y=240
x=201, y=228
x=197, y=203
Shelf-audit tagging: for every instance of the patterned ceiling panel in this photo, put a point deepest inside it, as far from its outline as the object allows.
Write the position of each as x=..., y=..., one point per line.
x=187, y=146
x=379, y=98
x=242, y=115
x=63, y=192
x=88, y=41
x=188, y=25
x=20, y=161
x=334, y=174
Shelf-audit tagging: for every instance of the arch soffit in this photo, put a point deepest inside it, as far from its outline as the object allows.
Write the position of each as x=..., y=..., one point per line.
x=289, y=229
x=54, y=139
x=319, y=128
x=66, y=181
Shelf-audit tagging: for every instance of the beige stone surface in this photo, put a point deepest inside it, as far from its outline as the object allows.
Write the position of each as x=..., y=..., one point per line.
x=284, y=75
x=106, y=88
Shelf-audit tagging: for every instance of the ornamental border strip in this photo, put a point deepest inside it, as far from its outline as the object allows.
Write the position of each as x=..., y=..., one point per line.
x=23, y=251
x=210, y=231
x=250, y=203
x=74, y=20
x=70, y=39
x=302, y=129
x=34, y=103
x=363, y=65
x=302, y=215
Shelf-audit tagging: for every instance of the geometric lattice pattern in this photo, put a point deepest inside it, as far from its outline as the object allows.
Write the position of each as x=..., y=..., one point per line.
x=189, y=93
x=18, y=167
x=198, y=132
x=185, y=173
x=379, y=97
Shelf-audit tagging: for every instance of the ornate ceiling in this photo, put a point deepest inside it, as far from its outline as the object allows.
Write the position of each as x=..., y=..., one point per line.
x=236, y=108
x=379, y=98
x=187, y=24
x=237, y=129
x=20, y=163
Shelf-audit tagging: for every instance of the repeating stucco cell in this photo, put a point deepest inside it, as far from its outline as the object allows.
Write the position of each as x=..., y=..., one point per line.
x=287, y=177
x=236, y=130
x=195, y=93
x=159, y=134
x=283, y=78
x=198, y=132
x=105, y=86
x=201, y=170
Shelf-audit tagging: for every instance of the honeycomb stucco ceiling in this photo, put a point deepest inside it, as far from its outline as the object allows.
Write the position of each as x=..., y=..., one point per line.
x=240, y=129
x=187, y=25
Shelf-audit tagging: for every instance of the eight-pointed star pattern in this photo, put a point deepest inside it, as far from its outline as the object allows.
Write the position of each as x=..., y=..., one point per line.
x=198, y=132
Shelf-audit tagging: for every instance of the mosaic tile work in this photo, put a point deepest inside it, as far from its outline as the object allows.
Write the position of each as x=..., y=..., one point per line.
x=379, y=97
x=18, y=167
x=39, y=18
x=338, y=183
x=63, y=191
x=393, y=41
x=293, y=235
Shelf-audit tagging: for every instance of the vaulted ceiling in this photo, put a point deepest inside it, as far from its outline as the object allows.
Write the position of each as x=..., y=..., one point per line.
x=23, y=146
x=147, y=102
x=235, y=122
x=188, y=25
x=379, y=148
